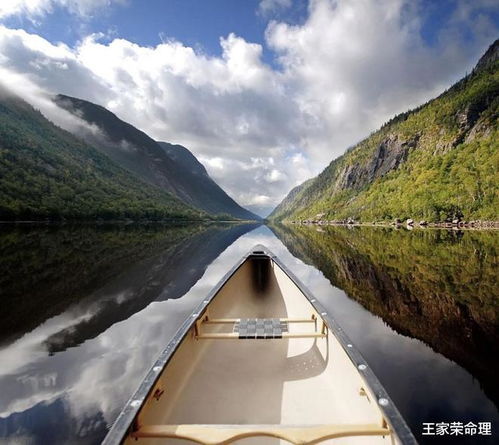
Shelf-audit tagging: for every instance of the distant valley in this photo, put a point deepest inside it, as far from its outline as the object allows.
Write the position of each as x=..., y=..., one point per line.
x=439, y=162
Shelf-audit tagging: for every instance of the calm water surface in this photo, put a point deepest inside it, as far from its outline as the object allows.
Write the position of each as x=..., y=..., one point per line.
x=86, y=310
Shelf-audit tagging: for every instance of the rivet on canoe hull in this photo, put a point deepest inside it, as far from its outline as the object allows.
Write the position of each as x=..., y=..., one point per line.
x=362, y=367
x=156, y=368
x=349, y=345
x=383, y=402
x=323, y=313
x=135, y=403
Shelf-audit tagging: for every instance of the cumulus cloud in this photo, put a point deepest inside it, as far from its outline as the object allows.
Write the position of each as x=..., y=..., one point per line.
x=37, y=8
x=260, y=129
x=356, y=63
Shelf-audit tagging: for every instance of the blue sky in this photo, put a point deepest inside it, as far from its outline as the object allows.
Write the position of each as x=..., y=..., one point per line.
x=192, y=21
x=264, y=92
x=201, y=23
x=197, y=23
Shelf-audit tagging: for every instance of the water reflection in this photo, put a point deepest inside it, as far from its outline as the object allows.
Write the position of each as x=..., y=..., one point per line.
x=99, y=275
x=63, y=287
x=437, y=286
x=100, y=303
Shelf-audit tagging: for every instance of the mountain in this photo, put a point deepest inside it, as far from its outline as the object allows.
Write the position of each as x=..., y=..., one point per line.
x=184, y=157
x=436, y=162
x=209, y=194
x=46, y=172
x=169, y=167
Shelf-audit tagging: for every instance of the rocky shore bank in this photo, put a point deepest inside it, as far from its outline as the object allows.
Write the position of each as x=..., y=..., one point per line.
x=408, y=223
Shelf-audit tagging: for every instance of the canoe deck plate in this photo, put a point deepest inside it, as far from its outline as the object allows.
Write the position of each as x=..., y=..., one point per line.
x=260, y=328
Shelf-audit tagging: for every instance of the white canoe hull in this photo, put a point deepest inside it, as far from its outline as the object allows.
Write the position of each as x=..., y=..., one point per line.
x=260, y=362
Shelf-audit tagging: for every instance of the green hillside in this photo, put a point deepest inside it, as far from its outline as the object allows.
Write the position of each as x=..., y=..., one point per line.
x=436, y=162
x=46, y=173
x=168, y=167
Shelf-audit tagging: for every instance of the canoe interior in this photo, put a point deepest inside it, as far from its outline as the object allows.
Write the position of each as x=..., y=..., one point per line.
x=300, y=382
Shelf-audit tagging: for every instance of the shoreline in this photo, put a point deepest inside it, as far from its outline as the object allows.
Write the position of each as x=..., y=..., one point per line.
x=126, y=222
x=462, y=225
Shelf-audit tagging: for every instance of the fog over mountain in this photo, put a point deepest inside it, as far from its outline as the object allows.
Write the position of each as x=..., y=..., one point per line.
x=169, y=167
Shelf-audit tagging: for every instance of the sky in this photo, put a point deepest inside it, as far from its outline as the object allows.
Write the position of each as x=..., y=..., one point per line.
x=264, y=92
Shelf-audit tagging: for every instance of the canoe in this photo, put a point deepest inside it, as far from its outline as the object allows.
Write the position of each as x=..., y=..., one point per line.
x=260, y=361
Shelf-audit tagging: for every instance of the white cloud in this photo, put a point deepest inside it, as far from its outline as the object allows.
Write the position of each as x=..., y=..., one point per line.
x=349, y=67
x=269, y=6
x=212, y=163
x=259, y=200
x=38, y=8
x=357, y=63
x=275, y=175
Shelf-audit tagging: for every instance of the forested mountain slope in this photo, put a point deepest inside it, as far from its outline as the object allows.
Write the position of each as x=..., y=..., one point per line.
x=438, y=161
x=46, y=172
x=169, y=167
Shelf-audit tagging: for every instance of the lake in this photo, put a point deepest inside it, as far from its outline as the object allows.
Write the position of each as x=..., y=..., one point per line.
x=87, y=309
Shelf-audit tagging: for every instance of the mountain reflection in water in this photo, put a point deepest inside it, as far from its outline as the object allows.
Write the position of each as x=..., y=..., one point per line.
x=104, y=274
x=437, y=286
x=86, y=310
x=64, y=286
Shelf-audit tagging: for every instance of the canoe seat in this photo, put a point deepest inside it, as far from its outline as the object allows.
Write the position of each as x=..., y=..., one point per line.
x=225, y=434
x=256, y=328
x=260, y=327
